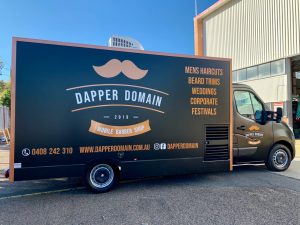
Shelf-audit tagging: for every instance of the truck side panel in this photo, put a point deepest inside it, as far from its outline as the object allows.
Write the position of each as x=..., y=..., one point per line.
x=77, y=104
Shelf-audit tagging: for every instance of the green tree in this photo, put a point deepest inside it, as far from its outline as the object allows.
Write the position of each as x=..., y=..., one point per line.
x=2, y=86
x=7, y=85
x=5, y=98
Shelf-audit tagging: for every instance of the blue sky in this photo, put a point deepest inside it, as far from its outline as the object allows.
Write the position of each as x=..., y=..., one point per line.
x=160, y=25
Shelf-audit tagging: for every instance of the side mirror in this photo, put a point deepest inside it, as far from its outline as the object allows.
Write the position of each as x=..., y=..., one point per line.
x=261, y=117
x=278, y=115
x=258, y=116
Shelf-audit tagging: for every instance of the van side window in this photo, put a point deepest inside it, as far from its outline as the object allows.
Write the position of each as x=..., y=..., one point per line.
x=256, y=103
x=247, y=103
x=244, y=104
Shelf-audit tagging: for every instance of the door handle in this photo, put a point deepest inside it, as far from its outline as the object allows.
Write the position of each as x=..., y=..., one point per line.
x=241, y=127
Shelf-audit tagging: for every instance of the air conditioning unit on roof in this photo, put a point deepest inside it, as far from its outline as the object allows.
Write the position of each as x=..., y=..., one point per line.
x=124, y=42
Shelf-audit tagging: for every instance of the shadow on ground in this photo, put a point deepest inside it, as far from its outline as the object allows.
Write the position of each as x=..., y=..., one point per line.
x=242, y=176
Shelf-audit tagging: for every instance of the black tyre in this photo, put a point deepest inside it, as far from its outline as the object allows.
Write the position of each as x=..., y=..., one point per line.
x=279, y=158
x=101, y=178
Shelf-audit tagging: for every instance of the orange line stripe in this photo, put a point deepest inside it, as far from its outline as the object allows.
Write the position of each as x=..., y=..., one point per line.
x=13, y=113
x=125, y=85
x=116, y=105
x=231, y=118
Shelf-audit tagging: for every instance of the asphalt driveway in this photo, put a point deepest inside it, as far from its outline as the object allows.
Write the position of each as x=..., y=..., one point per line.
x=249, y=195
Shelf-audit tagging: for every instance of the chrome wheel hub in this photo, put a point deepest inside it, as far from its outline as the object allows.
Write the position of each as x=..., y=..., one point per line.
x=280, y=158
x=101, y=176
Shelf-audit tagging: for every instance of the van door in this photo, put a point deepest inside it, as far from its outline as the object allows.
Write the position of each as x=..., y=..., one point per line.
x=254, y=140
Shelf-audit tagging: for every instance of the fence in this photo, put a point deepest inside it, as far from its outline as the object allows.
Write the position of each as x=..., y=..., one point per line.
x=4, y=117
x=4, y=125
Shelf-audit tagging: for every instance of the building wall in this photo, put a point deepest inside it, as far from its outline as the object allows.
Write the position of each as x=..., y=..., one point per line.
x=4, y=117
x=278, y=92
x=252, y=32
x=275, y=89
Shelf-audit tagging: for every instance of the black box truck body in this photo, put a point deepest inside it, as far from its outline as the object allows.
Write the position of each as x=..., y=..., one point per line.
x=143, y=114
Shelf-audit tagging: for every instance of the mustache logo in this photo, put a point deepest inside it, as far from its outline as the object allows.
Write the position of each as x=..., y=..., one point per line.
x=254, y=128
x=114, y=67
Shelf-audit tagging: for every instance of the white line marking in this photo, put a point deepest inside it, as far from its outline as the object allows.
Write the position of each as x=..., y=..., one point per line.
x=42, y=193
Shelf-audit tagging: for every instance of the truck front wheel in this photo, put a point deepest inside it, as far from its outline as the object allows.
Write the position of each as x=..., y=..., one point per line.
x=101, y=178
x=279, y=158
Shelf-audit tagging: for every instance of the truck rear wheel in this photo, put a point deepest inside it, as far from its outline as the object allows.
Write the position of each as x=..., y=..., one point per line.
x=101, y=178
x=279, y=158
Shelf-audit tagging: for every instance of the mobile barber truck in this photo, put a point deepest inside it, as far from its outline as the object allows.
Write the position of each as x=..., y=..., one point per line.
x=108, y=114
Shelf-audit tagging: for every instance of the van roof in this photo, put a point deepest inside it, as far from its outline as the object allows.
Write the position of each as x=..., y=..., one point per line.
x=235, y=85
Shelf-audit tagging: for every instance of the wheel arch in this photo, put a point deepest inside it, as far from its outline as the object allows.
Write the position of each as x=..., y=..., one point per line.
x=115, y=164
x=285, y=143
